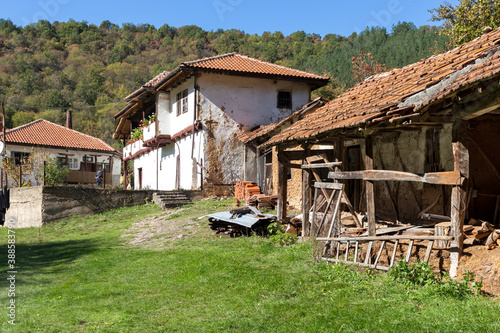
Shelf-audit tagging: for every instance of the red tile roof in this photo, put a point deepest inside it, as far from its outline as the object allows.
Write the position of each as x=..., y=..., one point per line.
x=238, y=63
x=44, y=133
x=403, y=91
x=229, y=63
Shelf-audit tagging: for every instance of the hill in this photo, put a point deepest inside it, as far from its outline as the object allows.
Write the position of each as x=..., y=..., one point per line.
x=46, y=68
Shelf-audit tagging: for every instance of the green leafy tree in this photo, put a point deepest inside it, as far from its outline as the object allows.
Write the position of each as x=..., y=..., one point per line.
x=55, y=172
x=467, y=21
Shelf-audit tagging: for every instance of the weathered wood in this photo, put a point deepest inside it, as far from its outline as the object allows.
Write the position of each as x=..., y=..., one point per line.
x=306, y=199
x=338, y=250
x=335, y=212
x=442, y=229
x=426, y=216
x=394, y=250
x=381, y=238
x=351, y=210
x=347, y=250
x=408, y=252
x=368, y=254
x=356, y=252
x=293, y=165
x=282, y=185
x=330, y=186
x=314, y=214
x=461, y=157
x=325, y=214
x=379, y=254
x=436, y=178
x=370, y=195
x=429, y=250
x=384, y=268
x=321, y=165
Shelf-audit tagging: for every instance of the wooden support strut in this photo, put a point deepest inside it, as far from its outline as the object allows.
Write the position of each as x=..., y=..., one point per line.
x=370, y=196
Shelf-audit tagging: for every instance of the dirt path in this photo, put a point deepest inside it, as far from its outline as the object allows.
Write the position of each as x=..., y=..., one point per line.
x=159, y=232
x=485, y=264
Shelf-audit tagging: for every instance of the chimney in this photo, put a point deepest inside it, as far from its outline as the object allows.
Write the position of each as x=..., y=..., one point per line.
x=69, y=120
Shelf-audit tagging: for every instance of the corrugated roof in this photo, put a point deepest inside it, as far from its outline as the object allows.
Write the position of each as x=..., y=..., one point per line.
x=404, y=90
x=47, y=134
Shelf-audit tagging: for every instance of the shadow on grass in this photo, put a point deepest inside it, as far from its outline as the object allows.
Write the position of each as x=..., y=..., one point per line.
x=50, y=257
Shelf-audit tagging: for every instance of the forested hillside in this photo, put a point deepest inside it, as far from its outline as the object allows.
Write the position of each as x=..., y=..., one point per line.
x=46, y=68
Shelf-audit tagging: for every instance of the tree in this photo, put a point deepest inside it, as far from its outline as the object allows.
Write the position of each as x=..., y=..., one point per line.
x=467, y=21
x=364, y=66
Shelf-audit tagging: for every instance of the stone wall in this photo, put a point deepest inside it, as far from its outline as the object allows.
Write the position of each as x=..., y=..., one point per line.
x=36, y=206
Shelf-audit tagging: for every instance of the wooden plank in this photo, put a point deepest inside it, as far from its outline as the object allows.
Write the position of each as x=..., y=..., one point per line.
x=347, y=250
x=282, y=185
x=321, y=165
x=429, y=250
x=368, y=253
x=408, y=252
x=330, y=200
x=330, y=186
x=306, y=199
x=356, y=252
x=461, y=157
x=380, y=238
x=335, y=212
x=383, y=268
x=369, y=188
x=338, y=250
x=437, y=178
x=314, y=213
x=394, y=250
x=379, y=254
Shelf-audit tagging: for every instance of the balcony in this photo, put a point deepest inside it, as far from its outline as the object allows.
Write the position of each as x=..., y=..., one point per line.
x=132, y=148
x=149, y=132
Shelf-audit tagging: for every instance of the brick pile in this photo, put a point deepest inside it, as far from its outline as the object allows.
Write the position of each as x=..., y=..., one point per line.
x=244, y=190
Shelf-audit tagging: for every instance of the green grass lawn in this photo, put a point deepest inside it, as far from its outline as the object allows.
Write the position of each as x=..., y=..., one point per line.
x=81, y=275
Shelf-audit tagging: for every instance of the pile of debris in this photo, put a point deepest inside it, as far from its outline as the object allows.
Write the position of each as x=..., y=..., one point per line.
x=263, y=201
x=250, y=193
x=244, y=190
x=481, y=232
x=244, y=221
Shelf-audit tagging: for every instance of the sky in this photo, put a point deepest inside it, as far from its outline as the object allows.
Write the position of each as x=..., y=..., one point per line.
x=341, y=17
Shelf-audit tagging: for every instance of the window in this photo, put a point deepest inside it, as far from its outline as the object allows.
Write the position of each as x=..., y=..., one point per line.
x=89, y=159
x=73, y=163
x=20, y=157
x=284, y=99
x=182, y=102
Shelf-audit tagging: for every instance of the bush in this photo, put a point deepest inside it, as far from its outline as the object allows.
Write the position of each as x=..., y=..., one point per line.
x=421, y=274
x=278, y=236
x=54, y=172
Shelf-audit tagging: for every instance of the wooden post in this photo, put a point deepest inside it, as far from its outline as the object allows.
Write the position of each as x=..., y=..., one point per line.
x=44, y=165
x=282, y=185
x=21, y=174
x=103, y=177
x=461, y=156
x=125, y=175
x=370, y=197
x=306, y=195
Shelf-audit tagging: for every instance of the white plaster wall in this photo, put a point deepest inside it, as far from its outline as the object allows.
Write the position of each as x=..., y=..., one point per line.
x=164, y=110
x=169, y=122
x=250, y=101
x=148, y=164
x=164, y=161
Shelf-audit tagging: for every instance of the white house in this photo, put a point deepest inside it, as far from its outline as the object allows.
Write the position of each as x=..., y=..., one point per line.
x=191, y=117
x=82, y=153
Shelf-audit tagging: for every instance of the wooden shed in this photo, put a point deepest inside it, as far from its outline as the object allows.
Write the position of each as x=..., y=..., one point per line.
x=416, y=145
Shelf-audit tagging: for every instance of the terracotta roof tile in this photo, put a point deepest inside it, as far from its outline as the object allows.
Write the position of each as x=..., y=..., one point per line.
x=231, y=62
x=408, y=89
x=47, y=134
x=238, y=63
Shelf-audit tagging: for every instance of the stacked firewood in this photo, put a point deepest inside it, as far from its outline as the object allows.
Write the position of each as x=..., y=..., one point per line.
x=481, y=232
x=262, y=201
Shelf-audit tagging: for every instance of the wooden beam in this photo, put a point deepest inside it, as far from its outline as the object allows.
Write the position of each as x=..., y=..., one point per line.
x=437, y=178
x=321, y=165
x=330, y=186
x=382, y=238
x=461, y=157
x=282, y=185
x=293, y=165
x=370, y=195
x=306, y=196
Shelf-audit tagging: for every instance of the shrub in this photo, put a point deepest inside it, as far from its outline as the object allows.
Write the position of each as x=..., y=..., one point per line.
x=278, y=236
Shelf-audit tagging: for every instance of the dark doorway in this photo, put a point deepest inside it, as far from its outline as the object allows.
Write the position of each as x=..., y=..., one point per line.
x=353, y=186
